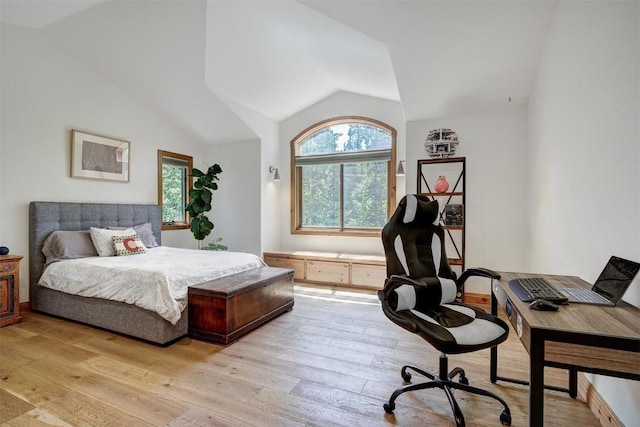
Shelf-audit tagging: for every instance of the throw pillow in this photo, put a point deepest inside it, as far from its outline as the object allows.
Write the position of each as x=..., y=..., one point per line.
x=128, y=245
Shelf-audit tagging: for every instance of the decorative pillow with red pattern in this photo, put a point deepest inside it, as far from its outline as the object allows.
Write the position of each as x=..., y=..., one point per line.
x=128, y=245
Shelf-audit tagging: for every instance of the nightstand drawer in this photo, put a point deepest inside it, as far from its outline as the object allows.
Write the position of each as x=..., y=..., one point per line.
x=6, y=294
x=8, y=268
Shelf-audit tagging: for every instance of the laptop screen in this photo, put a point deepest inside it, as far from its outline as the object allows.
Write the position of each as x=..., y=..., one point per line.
x=616, y=278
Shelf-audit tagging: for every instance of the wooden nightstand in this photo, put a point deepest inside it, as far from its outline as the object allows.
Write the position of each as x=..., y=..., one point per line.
x=9, y=290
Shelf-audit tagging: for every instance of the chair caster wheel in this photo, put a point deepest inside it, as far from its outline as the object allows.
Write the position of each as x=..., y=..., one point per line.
x=406, y=377
x=463, y=380
x=505, y=418
x=388, y=408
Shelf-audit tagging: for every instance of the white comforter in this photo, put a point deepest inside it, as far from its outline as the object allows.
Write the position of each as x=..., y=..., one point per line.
x=156, y=280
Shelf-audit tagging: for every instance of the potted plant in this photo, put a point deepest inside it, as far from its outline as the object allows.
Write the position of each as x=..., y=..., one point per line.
x=215, y=245
x=200, y=203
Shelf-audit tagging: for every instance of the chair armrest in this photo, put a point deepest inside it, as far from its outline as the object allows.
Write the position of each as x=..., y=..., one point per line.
x=401, y=321
x=477, y=272
x=406, y=280
x=383, y=295
x=393, y=282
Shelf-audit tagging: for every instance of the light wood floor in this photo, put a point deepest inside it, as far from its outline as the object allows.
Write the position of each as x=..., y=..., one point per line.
x=333, y=360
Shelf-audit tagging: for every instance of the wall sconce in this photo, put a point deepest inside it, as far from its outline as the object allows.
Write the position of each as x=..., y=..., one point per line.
x=400, y=170
x=276, y=174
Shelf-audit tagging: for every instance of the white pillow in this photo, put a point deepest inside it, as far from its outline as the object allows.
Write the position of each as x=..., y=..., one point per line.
x=101, y=238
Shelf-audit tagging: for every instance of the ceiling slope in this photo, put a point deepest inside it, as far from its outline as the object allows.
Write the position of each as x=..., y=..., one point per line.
x=452, y=57
x=279, y=57
x=37, y=14
x=155, y=51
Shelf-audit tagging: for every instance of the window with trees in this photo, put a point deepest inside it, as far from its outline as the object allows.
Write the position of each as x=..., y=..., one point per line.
x=174, y=182
x=343, y=179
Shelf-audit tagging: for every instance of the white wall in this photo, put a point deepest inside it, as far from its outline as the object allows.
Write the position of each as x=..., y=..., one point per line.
x=339, y=104
x=585, y=152
x=269, y=139
x=494, y=144
x=45, y=94
x=237, y=202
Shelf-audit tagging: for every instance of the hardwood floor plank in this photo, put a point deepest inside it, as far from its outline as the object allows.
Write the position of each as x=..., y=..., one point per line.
x=324, y=347
x=37, y=418
x=259, y=374
x=31, y=387
x=119, y=396
x=80, y=409
x=294, y=336
x=10, y=335
x=223, y=409
x=12, y=406
x=57, y=349
x=346, y=368
x=125, y=373
x=309, y=411
x=299, y=369
x=366, y=339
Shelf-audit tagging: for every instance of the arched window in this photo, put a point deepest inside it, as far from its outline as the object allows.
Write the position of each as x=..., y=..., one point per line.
x=343, y=179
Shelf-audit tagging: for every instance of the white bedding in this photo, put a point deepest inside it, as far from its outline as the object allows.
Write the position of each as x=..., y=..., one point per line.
x=156, y=280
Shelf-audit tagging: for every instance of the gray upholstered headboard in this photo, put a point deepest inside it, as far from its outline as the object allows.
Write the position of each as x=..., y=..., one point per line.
x=45, y=217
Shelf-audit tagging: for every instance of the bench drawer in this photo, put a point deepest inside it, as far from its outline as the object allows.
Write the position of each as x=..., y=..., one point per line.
x=297, y=265
x=368, y=275
x=328, y=271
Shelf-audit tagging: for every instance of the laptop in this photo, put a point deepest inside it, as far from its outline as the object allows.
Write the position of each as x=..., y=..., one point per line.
x=610, y=287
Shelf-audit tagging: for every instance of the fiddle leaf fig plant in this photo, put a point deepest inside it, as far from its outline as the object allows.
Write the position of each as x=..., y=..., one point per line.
x=200, y=203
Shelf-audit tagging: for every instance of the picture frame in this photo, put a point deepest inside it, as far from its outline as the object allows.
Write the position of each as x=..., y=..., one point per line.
x=99, y=157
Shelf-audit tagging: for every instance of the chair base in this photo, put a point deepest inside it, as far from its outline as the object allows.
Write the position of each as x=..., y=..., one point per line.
x=445, y=381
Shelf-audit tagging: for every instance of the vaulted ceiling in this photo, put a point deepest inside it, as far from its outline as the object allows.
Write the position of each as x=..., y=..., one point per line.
x=189, y=60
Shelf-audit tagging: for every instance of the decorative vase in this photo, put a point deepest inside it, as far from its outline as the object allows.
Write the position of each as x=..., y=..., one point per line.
x=4, y=250
x=441, y=184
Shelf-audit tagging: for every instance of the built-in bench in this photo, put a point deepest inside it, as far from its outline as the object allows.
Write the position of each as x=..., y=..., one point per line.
x=224, y=309
x=343, y=269
x=365, y=271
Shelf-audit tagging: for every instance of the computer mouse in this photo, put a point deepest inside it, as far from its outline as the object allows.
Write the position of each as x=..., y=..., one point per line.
x=544, y=305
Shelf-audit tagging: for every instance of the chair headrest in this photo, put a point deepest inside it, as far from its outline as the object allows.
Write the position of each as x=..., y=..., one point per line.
x=419, y=209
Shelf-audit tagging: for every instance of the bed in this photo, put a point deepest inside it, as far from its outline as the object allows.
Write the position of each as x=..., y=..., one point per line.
x=121, y=317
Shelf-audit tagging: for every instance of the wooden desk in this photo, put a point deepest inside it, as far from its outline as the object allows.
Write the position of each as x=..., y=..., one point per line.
x=578, y=337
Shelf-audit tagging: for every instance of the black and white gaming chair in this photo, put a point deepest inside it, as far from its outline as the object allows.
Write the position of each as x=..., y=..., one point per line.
x=419, y=295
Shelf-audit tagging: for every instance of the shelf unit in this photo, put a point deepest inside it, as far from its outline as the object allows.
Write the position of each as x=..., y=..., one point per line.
x=453, y=168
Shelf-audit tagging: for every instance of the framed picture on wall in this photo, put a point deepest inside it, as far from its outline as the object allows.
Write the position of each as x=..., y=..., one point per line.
x=99, y=157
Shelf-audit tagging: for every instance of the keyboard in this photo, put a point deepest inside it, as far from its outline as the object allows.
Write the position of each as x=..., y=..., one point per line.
x=533, y=288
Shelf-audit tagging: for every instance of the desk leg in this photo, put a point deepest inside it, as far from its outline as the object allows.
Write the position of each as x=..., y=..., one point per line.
x=573, y=383
x=536, y=380
x=493, y=364
x=493, y=355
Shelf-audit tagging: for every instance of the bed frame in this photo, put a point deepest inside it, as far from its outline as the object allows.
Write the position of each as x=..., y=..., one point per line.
x=45, y=217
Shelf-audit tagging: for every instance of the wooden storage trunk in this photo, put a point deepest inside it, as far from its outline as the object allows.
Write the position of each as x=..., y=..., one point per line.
x=224, y=309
